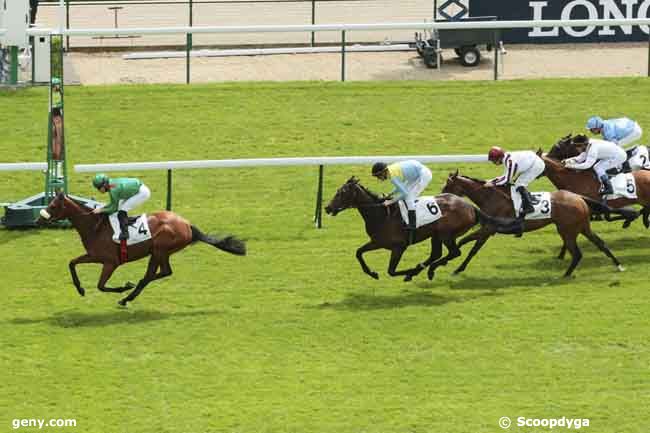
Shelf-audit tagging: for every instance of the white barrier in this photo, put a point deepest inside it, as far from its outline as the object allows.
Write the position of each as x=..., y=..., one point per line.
x=426, y=25
x=274, y=162
x=23, y=166
x=349, y=27
x=357, y=48
x=265, y=162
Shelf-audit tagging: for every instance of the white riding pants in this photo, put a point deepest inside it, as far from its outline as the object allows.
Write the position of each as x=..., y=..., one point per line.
x=634, y=136
x=531, y=174
x=416, y=188
x=135, y=201
x=603, y=165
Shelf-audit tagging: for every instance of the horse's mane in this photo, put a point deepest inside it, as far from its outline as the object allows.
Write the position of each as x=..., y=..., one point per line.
x=501, y=190
x=376, y=197
x=372, y=195
x=474, y=179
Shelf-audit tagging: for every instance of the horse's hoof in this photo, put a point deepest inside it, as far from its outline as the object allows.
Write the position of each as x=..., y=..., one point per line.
x=408, y=278
x=121, y=303
x=82, y=291
x=620, y=268
x=431, y=274
x=374, y=275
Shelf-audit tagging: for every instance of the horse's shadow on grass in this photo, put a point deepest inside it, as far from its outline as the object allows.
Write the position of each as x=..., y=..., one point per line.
x=592, y=262
x=75, y=319
x=17, y=234
x=357, y=301
x=526, y=282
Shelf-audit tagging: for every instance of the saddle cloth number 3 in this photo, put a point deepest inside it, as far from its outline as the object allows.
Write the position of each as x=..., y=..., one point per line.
x=542, y=207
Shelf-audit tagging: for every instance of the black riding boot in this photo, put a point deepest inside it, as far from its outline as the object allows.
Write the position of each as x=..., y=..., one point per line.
x=626, y=167
x=606, y=186
x=526, y=200
x=412, y=227
x=123, y=218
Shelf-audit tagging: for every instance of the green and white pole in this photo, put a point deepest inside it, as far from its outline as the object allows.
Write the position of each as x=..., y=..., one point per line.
x=13, y=65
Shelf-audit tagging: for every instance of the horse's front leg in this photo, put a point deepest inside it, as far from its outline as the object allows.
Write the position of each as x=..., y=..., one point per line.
x=73, y=271
x=107, y=271
x=395, y=257
x=370, y=246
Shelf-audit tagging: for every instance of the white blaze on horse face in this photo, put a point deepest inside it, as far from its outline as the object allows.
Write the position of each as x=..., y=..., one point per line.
x=45, y=214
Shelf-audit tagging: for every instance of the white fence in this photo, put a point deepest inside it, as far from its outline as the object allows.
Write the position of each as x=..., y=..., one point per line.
x=23, y=166
x=276, y=162
x=189, y=31
x=429, y=25
x=265, y=162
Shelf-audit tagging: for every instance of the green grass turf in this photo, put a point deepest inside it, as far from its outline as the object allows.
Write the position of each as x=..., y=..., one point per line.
x=294, y=337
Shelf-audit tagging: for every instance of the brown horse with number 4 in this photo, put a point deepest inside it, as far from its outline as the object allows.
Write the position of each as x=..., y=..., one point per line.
x=170, y=233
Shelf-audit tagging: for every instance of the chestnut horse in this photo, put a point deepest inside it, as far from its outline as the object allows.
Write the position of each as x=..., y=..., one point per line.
x=584, y=182
x=569, y=212
x=386, y=227
x=169, y=233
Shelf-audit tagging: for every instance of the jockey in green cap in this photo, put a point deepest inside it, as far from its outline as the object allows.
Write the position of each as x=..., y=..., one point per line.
x=126, y=193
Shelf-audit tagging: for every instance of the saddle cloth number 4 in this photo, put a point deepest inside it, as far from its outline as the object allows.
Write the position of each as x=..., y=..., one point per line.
x=138, y=231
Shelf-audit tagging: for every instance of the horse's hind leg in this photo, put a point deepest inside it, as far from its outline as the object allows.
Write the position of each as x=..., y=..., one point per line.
x=562, y=252
x=436, y=252
x=596, y=240
x=475, y=249
x=474, y=236
x=149, y=276
x=165, y=268
x=452, y=252
x=572, y=246
x=645, y=211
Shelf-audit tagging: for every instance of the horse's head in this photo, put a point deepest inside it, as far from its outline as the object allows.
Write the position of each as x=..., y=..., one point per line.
x=563, y=149
x=59, y=208
x=460, y=185
x=454, y=185
x=351, y=194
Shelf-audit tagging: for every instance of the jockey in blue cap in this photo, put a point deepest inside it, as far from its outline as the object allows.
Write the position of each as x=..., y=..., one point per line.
x=622, y=131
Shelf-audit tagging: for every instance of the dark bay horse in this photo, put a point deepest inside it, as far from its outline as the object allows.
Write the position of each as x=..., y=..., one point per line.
x=386, y=230
x=584, y=182
x=169, y=233
x=569, y=212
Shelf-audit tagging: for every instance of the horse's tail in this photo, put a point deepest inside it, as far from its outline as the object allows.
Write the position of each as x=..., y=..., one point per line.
x=502, y=225
x=229, y=243
x=602, y=208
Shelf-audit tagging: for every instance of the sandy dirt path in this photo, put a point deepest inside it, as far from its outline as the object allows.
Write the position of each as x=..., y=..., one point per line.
x=521, y=61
